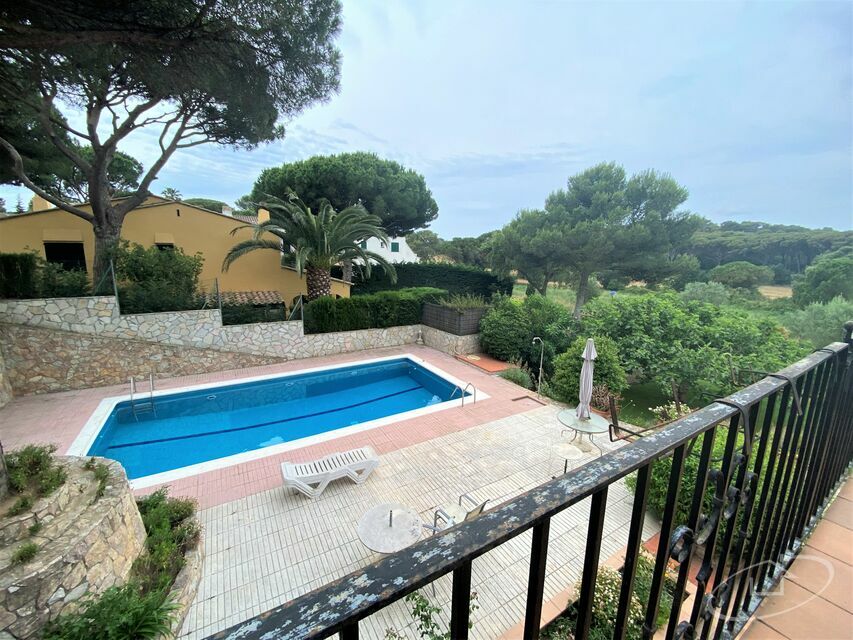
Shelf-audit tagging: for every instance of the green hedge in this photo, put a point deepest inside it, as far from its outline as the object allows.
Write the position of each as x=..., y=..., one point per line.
x=453, y=278
x=18, y=275
x=379, y=310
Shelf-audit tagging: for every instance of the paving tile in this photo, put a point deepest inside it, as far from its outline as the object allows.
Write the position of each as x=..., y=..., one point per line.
x=760, y=631
x=833, y=540
x=797, y=613
x=841, y=512
x=825, y=576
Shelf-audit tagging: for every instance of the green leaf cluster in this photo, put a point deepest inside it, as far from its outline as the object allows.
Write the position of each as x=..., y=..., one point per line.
x=741, y=275
x=397, y=195
x=378, y=310
x=830, y=275
x=152, y=279
x=608, y=371
x=455, y=278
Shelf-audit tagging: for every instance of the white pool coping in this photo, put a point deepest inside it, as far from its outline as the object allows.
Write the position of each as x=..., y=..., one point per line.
x=86, y=438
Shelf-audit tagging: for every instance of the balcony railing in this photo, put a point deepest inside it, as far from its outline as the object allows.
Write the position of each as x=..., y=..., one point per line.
x=788, y=443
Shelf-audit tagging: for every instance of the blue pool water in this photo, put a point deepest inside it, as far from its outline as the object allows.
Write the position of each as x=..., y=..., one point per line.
x=206, y=424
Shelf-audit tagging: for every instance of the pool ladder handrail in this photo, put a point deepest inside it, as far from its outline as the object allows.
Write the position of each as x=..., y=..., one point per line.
x=462, y=391
x=148, y=405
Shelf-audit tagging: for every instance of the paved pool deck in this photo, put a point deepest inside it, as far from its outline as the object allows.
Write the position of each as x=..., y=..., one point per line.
x=59, y=417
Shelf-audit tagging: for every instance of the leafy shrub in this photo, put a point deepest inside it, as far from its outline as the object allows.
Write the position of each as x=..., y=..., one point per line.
x=608, y=370
x=460, y=301
x=710, y=292
x=453, y=278
x=18, y=275
x=25, y=553
x=120, y=613
x=662, y=338
x=33, y=467
x=54, y=281
x=151, y=280
x=830, y=275
x=23, y=503
x=741, y=275
x=517, y=376
x=249, y=313
x=669, y=411
x=378, y=310
x=508, y=328
x=820, y=322
x=505, y=330
x=34, y=528
x=172, y=531
x=605, y=604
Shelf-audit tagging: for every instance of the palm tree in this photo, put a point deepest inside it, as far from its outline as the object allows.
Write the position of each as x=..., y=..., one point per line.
x=312, y=243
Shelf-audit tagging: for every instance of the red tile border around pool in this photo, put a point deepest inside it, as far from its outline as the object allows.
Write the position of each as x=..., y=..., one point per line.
x=59, y=417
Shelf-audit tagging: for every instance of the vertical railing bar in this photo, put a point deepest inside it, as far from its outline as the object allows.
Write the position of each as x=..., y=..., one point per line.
x=592, y=553
x=704, y=573
x=662, y=557
x=802, y=462
x=461, y=602
x=748, y=484
x=823, y=477
x=759, y=511
x=349, y=632
x=786, y=422
x=842, y=453
x=823, y=430
x=536, y=579
x=692, y=524
x=635, y=539
x=791, y=453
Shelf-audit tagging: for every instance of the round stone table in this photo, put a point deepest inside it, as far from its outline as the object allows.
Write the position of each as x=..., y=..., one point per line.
x=590, y=427
x=389, y=527
x=567, y=451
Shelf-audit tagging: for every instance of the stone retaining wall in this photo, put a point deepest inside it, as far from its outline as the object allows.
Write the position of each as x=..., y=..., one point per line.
x=43, y=360
x=71, y=343
x=95, y=551
x=5, y=385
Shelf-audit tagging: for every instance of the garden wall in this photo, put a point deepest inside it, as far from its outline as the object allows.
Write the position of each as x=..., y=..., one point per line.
x=40, y=360
x=5, y=385
x=72, y=343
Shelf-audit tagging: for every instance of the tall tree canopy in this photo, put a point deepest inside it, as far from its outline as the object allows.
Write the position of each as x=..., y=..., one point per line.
x=199, y=71
x=830, y=275
x=399, y=196
x=602, y=221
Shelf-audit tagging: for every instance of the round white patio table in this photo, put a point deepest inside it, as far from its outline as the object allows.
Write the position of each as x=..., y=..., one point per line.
x=389, y=527
x=568, y=452
x=590, y=427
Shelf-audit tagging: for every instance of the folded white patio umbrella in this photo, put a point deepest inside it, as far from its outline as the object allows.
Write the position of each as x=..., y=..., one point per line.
x=585, y=394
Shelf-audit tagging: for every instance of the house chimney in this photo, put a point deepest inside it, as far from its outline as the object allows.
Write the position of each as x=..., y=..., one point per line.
x=226, y=210
x=38, y=204
x=263, y=215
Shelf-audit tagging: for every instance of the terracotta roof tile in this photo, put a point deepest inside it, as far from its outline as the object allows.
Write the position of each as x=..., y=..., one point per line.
x=232, y=298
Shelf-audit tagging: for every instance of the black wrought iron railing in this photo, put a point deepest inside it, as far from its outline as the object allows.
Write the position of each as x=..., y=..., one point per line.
x=788, y=444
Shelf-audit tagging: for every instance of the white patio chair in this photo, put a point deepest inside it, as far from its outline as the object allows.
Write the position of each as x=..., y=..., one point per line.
x=312, y=478
x=451, y=514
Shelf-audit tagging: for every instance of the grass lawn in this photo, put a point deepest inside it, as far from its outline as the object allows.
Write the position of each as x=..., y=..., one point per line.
x=563, y=295
x=637, y=402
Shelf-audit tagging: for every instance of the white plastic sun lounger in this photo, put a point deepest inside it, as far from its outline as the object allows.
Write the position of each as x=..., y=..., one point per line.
x=312, y=478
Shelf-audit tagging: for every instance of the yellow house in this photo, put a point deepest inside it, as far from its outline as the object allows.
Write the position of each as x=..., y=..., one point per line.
x=59, y=236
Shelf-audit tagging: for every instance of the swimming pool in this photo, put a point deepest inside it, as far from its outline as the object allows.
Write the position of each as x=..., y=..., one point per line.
x=209, y=426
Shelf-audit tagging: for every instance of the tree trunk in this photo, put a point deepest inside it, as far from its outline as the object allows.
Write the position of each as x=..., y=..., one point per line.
x=319, y=282
x=106, y=239
x=580, y=298
x=346, y=265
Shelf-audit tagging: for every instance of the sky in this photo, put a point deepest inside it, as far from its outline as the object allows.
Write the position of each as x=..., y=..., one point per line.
x=747, y=104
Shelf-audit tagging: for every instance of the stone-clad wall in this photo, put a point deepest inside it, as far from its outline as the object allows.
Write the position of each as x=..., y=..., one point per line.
x=73, y=343
x=86, y=547
x=5, y=385
x=42, y=360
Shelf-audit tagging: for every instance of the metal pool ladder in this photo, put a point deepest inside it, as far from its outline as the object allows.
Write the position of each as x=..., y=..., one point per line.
x=462, y=391
x=138, y=405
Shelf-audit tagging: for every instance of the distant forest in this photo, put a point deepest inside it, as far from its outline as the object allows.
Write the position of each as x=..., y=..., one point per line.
x=788, y=249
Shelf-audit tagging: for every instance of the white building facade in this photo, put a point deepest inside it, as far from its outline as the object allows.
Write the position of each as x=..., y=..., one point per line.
x=395, y=250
